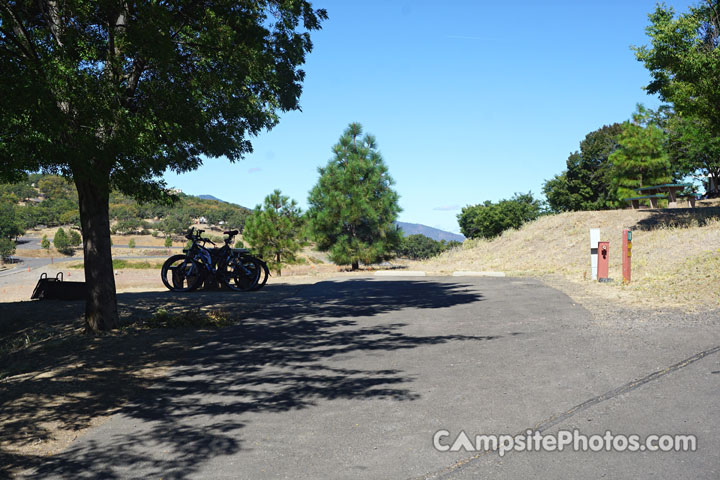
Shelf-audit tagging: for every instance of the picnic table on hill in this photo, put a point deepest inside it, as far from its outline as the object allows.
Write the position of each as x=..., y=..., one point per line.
x=669, y=191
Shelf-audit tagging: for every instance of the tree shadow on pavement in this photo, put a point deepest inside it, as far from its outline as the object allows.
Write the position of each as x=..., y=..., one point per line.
x=280, y=357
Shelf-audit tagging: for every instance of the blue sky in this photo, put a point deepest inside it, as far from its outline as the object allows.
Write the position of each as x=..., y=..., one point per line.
x=469, y=101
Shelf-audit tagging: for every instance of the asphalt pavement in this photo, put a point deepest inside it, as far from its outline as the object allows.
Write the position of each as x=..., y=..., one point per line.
x=352, y=379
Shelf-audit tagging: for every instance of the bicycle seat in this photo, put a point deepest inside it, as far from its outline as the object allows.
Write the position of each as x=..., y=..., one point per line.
x=231, y=233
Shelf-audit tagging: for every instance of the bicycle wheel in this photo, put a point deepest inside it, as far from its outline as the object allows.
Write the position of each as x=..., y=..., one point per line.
x=181, y=274
x=263, y=275
x=240, y=273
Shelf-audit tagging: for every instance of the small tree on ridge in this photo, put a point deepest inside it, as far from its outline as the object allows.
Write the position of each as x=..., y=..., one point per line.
x=274, y=230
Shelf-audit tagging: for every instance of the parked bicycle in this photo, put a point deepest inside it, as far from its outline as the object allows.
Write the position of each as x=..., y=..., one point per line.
x=232, y=268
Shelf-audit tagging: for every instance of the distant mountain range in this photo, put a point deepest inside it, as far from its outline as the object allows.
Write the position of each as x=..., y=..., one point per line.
x=434, y=233
x=407, y=228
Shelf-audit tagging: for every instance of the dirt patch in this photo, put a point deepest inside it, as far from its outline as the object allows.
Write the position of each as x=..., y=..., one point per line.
x=56, y=381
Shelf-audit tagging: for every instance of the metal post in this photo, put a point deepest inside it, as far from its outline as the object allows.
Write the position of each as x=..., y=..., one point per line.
x=626, y=254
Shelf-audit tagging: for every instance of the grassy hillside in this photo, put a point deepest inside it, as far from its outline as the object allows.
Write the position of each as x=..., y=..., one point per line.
x=675, y=262
x=50, y=200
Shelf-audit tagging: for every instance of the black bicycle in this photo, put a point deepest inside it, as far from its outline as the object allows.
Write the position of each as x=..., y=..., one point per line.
x=231, y=268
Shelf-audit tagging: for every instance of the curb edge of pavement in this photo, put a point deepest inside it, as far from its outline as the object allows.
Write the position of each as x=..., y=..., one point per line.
x=400, y=273
x=461, y=273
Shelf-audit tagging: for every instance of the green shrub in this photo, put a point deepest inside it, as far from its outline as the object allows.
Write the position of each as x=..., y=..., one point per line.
x=420, y=247
x=62, y=242
x=489, y=219
x=7, y=248
x=74, y=238
x=168, y=242
x=131, y=243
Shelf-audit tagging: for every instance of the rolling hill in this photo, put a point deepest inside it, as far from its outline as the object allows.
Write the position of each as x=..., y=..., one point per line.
x=210, y=197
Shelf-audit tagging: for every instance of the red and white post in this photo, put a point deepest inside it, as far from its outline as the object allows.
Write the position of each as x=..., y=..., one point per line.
x=603, y=261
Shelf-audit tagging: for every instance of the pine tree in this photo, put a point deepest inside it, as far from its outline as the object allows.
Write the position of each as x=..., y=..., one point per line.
x=274, y=231
x=353, y=207
x=61, y=241
x=641, y=158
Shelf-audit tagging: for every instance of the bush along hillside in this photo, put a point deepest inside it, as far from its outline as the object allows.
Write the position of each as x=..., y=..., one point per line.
x=50, y=201
x=488, y=219
x=420, y=247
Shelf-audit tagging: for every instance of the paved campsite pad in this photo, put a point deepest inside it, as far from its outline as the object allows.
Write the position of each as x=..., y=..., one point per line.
x=350, y=379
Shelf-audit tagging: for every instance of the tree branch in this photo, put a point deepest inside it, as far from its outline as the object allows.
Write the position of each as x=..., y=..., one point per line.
x=11, y=52
x=715, y=17
x=19, y=29
x=134, y=78
x=52, y=17
x=15, y=41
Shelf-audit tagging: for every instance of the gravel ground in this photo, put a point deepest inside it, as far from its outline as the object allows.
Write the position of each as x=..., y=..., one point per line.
x=621, y=316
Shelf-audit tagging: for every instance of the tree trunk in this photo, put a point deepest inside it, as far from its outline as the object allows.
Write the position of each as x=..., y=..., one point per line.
x=279, y=266
x=355, y=265
x=101, y=312
x=714, y=183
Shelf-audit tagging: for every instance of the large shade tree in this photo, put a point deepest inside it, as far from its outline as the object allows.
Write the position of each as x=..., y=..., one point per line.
x=111, y=94
x=684, y=60
x=353, y=207
x=585, y=184
x=694, y=149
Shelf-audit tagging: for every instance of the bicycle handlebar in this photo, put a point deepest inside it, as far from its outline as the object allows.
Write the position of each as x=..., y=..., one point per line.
x=195, y=236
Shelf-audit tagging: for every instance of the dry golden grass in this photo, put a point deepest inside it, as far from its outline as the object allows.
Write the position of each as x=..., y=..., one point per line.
x=675, y=262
